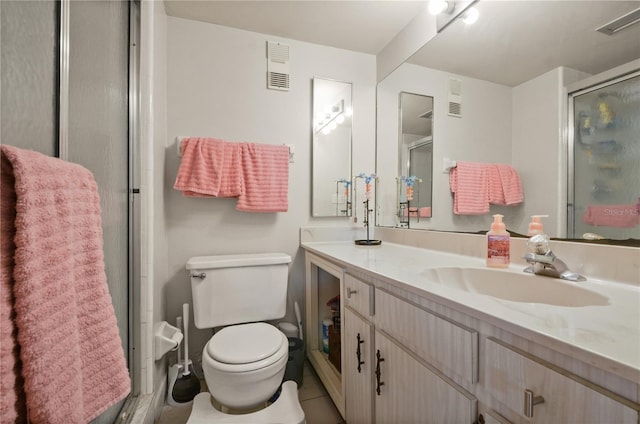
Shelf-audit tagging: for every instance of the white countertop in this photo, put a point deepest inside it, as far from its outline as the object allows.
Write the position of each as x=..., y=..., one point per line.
x=606, y=336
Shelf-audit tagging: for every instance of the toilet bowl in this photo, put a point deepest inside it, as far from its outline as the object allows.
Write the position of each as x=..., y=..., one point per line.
x=244, y=364
x=285, y=410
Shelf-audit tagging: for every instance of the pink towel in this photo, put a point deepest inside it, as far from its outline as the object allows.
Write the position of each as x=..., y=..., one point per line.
x=70, y=354
x=505, y=187
x=624, y=216
x=470, y=185
x=424, y=212
x=209, y=168
x=265, y=171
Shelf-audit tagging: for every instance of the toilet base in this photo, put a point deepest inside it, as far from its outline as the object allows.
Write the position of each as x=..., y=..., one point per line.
x=285, y=410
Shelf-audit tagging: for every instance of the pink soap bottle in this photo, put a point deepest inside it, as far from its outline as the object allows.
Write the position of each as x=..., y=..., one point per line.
x=498, y=244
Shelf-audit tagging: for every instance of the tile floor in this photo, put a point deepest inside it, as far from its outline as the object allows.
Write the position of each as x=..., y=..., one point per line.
x=316, y=403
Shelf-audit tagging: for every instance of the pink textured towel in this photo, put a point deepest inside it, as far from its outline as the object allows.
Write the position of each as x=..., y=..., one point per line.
x=265, y=169
x=470, y=185
x=209, y=168
x=505, y=187
x=55, y=291
x=624, y=216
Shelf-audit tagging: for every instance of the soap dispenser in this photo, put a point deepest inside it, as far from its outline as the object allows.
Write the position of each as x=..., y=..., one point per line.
x=498, y=245
x=535, y=226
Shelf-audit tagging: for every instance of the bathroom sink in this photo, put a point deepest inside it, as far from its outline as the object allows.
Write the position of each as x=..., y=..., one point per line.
x=516, y=287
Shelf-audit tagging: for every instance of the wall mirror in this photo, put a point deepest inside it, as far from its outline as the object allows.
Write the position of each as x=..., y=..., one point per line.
x=514, y=109
x=415, y=154
x=331, y=191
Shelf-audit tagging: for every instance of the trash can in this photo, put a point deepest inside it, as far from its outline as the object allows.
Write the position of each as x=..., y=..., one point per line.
x=295, y=364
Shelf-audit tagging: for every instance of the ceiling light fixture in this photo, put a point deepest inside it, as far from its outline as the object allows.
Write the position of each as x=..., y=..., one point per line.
x=438, y=6
x=470, y=16
x=329, y=120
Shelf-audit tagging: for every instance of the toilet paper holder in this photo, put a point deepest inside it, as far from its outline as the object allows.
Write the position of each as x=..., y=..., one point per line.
x=167, y=339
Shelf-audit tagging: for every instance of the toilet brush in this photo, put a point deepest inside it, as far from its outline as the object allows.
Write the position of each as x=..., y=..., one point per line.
x=187, y=385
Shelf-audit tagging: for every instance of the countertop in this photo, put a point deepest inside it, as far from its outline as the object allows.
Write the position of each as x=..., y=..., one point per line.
x=606, y=336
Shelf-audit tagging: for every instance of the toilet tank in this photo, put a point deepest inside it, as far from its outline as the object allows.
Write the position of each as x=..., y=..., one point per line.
x=233, y=289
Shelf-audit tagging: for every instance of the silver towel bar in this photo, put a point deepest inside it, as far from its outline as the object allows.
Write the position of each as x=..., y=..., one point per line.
x=180, y=139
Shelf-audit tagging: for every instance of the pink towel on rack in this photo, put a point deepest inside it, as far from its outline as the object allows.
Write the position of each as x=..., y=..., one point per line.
x=505, y=187
x=209, y=168
x=623, y=216
x=70, y=358
x=265, y=171
x=470, y=185
x=424, y=212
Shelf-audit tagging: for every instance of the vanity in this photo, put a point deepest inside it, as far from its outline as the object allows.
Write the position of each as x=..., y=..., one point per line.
x=431, y=336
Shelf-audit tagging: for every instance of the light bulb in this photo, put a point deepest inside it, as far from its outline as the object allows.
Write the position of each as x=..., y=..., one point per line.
x=349, y=111
x=326, y=130
x=470, y=16
x=333, y=125
x=340, y=119
x=437, y=6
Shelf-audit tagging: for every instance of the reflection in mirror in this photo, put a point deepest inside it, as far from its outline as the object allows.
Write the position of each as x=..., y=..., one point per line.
x=513, y=107
x=415, y=154
x=331, y=149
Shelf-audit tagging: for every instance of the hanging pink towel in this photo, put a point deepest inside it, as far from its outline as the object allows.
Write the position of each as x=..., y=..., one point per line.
x=209, y=168
x=624, y=216
x=505, y=187
x=54, y=292
x=470, y=185
x=265, y=171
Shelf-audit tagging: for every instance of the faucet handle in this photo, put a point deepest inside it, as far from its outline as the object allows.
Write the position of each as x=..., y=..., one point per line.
x=533, y=258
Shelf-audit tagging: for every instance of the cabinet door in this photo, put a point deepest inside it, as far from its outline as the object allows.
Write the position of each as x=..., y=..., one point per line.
x=357, y=370
x=567, y=398
x=412, y=393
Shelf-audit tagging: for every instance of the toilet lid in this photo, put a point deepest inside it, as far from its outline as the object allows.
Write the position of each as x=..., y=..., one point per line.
x=245, y=343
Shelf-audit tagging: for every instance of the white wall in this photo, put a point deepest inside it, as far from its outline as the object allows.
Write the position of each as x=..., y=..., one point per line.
x=483, y=134
x=216, y=87
x=539, y=150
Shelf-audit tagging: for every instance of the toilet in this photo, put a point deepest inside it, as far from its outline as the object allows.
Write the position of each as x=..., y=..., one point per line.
x=244, y=362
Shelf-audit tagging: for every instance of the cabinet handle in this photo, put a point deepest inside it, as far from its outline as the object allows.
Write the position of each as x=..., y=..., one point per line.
x=379, y=383
x=350, y=291
x=359, y=352
x=530, y=401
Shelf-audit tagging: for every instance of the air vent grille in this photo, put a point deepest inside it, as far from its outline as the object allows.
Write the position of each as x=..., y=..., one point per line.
x=278, y=66
x=455, y=98
x=621, y=23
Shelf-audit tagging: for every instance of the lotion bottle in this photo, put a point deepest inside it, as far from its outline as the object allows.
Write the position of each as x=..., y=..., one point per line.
x=498, y=245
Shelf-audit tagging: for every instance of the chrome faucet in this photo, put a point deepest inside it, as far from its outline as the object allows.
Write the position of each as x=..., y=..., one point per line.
x=544, y=262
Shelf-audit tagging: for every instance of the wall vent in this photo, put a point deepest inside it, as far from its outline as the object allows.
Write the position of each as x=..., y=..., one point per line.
x=620, y=23
x=455, y=98
x=277, y=66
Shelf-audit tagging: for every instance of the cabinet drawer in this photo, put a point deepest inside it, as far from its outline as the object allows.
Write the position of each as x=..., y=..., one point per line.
x=567, y=398
x=450, y=347
x=358, y=295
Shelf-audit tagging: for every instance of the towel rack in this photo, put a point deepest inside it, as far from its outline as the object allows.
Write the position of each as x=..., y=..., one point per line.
x=448, y=164
x=180, y=139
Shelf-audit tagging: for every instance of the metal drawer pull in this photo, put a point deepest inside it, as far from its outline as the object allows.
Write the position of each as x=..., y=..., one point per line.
x=379, y=383
x=530, y=401
x=350, y=291
x=358, y=353
x=201, y=276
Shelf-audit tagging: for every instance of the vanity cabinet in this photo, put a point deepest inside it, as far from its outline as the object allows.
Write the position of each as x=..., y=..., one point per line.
x=409, y=391
x=410, y=357
x=387, y=380
x=539, y=392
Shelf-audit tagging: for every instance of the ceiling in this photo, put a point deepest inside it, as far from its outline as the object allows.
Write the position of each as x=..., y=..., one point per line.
x=512, y=41
x=362, y=26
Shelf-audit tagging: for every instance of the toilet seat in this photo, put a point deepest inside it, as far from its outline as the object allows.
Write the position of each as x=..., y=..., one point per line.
x=285, y=410
x=246, y=347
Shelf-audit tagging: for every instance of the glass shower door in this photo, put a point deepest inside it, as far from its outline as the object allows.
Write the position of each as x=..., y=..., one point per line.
x=606, y=160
